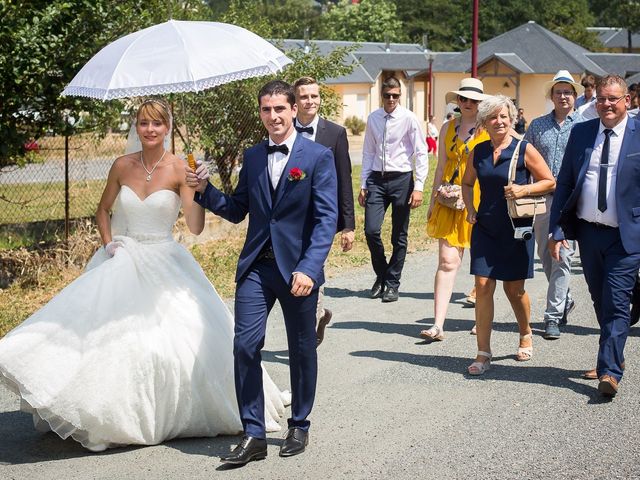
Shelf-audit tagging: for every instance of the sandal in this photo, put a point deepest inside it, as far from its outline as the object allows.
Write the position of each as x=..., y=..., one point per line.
x=434, y=334
x=525, y=354
x=471, y=298
x=478, y=368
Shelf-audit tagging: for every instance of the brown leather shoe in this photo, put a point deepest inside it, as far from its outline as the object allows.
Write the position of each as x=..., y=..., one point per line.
x=608, y=386
x=322, y=324
x=593, y=375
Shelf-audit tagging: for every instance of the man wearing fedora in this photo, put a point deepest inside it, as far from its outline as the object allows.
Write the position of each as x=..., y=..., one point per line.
x=550, y=134
x=394, y=148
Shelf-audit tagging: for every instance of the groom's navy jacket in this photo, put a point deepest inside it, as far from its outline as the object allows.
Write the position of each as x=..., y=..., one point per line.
x=301, y=218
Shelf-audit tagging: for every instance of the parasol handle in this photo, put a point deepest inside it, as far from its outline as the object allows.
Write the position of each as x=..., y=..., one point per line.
x=186, y=124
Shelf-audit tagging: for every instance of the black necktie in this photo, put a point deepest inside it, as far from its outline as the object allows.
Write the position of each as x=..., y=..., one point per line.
x=278, y=148
x=604, y=166
x=384, y=141
x=308, y=130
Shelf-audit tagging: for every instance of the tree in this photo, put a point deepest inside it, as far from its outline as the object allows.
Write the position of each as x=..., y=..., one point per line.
x=448, y=22
x=366, y=21
x=567, y=18
x=273, y=18
x=43, y=44
x=619, y=13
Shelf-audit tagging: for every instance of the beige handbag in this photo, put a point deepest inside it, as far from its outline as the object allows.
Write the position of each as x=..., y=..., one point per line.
x=449, y=194
x=525, y=207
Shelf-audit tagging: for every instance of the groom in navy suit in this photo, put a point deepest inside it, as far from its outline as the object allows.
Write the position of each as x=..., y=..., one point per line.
x=287, y=186
x=597, y=202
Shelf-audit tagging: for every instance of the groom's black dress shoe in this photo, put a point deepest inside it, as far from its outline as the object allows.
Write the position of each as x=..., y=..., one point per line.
x=250, y=448
x=378, y=289
x=295, y=442
x=635, y=303
x=390, y=295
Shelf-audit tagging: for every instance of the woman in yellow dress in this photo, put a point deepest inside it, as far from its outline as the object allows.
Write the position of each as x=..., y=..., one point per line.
x=458, y=137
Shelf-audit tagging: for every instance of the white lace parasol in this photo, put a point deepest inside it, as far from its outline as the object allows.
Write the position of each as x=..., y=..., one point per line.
x=175, y=56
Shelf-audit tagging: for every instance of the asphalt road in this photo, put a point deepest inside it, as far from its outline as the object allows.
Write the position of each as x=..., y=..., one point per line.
x=392, y=406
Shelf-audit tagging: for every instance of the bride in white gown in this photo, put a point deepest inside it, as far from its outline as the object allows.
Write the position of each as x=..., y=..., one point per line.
x=138, y=349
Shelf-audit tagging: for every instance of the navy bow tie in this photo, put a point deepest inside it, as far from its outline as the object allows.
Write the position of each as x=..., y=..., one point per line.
x=308, y=130
x=278, y=148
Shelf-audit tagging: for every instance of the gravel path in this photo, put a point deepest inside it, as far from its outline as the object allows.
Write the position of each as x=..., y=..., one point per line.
x=392, y=406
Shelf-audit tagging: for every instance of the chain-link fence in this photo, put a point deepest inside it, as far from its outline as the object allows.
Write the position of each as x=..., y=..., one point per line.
x=64, y=177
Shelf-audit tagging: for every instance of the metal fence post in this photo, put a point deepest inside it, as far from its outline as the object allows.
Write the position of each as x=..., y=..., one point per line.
x=66, y=187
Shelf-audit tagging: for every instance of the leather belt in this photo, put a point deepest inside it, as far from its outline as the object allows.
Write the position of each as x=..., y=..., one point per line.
x=390, y=174
x=597, y=225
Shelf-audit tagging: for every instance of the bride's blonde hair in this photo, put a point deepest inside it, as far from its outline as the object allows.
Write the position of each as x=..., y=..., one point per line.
x=155, y=109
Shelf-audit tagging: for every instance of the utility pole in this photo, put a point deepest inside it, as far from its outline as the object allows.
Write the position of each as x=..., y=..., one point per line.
x=474, y=40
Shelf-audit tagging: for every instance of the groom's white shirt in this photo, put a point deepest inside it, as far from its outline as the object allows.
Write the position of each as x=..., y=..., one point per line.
x=277, y=161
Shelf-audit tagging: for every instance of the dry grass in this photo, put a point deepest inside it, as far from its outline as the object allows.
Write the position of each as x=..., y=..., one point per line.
x=36, y=275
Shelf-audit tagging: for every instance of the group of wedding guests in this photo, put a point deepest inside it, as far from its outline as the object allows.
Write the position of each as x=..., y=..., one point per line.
x=140, y=348
x=592, y=170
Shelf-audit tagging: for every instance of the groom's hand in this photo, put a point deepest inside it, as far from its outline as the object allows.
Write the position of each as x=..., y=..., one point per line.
x=302, y=285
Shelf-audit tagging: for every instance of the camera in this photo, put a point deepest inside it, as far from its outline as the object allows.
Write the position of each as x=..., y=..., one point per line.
x=523, y=233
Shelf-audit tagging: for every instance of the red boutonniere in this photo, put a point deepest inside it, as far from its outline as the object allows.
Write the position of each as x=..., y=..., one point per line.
x=295, y=175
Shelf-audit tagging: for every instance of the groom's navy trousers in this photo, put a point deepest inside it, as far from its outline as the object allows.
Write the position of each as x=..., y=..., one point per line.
x=256, y=294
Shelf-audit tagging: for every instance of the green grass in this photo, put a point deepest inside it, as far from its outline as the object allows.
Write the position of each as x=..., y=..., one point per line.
x=218, y=259
x=25, y=203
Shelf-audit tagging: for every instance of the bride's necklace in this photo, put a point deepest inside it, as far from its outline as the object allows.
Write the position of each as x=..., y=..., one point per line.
x=150, y=172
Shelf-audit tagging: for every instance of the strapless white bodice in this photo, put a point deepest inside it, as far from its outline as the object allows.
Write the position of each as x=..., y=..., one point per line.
x=148, y=221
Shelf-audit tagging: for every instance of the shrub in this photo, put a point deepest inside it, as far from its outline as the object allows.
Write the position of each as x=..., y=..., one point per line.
x=355, y=124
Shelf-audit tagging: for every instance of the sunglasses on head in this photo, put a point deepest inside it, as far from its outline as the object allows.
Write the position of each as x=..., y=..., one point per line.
x=387, y=96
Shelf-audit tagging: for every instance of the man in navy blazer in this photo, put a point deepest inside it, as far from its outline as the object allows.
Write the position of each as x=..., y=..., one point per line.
x=597, y=202
x=287, y=186
x=312, y=126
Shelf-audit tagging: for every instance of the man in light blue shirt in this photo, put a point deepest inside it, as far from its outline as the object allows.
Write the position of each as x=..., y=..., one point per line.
x=550, y=134
x=589, y=85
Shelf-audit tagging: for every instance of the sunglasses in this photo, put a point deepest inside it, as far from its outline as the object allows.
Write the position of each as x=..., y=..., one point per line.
x=465, y=99
x=387, y=96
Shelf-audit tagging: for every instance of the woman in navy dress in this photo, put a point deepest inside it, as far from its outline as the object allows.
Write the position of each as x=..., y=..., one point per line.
x=495, y=253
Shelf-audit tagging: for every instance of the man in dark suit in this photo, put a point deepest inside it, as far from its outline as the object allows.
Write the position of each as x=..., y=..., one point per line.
x=287, y=186
x=333, y=136
x=597, y=202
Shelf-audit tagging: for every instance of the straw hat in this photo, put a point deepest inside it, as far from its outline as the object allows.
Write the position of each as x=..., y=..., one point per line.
x=469, y=88
x=563, y=76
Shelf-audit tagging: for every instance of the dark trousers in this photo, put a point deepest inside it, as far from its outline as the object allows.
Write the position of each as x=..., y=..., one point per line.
x=611, y=274
x=393, y=189
x=256, y=294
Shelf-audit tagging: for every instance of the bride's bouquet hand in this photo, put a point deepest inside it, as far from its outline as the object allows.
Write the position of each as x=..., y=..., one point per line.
x=111, y=247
